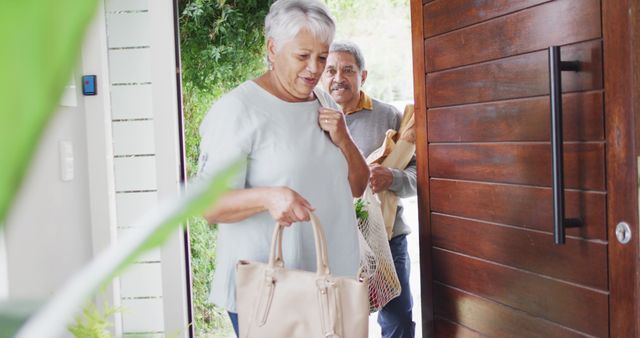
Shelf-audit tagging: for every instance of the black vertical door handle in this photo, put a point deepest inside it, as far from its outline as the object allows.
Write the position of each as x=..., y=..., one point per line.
x=556, y=66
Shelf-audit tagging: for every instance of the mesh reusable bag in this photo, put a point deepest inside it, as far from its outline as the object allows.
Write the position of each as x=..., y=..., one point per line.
x=380, y=209
x=376, y=261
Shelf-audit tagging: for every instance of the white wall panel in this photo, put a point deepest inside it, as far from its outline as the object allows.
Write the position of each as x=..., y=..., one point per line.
x=143, y=315
x=133, y=138
x=128, y=30
x=127, y=5
x=131, y=102
x=141, y=280
x=135, y=173
x=130, y=65
x=131, y=206
x=145, y=124
x=149, y=256
x=48, y=228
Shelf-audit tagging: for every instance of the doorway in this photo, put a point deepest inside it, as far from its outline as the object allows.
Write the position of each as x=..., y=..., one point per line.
x=390, y=80
x=386, y=46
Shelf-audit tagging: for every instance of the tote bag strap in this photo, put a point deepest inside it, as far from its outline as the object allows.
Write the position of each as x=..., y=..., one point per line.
x=322, y=262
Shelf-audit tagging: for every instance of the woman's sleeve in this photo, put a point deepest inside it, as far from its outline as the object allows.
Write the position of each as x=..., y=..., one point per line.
x=225, y=138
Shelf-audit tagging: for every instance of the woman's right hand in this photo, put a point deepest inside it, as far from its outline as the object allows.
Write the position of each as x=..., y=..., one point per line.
x=287, y=206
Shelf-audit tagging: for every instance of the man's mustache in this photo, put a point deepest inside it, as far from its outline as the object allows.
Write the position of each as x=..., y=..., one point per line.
x=340, y=86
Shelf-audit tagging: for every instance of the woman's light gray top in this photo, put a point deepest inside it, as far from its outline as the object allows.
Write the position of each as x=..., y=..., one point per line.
x=283, y=146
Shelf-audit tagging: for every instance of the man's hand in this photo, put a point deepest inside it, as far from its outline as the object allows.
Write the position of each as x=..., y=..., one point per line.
x=380, y=179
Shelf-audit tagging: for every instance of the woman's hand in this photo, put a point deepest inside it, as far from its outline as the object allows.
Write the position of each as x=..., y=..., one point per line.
x=333, y=122
x=287, y=206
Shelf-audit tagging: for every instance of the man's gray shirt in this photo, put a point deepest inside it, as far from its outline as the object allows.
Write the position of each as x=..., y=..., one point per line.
x=368, y=129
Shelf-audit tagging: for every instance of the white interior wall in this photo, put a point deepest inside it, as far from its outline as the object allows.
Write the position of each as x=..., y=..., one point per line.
x=4, y=276
x=48, y=234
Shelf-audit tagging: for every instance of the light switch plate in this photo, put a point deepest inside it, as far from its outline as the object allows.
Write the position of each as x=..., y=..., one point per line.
x=67, y=171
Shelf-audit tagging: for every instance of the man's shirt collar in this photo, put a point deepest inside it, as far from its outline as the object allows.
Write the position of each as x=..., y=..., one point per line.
x=364, y=103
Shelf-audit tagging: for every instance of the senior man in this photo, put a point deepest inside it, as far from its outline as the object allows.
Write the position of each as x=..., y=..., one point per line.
x=368, y=120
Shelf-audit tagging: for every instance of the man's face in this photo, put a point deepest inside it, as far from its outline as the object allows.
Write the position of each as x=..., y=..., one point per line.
x=342, y=79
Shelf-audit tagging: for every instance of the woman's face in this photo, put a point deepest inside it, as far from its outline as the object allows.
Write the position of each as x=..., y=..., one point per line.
x=298, y=65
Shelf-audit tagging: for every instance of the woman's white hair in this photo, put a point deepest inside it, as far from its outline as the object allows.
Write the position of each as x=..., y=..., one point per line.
x=287, y=18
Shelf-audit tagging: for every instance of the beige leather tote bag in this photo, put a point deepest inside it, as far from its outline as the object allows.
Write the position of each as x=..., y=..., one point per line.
x=274, y=302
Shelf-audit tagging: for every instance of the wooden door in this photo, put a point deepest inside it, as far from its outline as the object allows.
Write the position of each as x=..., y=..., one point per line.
x=490, y=265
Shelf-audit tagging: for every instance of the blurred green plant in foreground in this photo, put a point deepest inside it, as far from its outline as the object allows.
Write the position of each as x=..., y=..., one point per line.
x=41, y=41
x=93, y=323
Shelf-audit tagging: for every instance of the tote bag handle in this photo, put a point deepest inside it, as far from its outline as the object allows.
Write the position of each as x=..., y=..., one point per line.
x=322, y=262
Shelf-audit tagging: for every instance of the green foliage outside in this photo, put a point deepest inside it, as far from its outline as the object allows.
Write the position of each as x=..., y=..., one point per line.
x=222, y=45
x=221, y=42
x=210, y=321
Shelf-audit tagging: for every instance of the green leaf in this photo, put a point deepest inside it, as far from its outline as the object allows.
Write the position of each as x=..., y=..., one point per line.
x=94, y=323
x=156, y=227
x=361, y=212
x=40, y=42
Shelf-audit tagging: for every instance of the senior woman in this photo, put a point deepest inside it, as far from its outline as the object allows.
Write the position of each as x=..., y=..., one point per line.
x=299, y=156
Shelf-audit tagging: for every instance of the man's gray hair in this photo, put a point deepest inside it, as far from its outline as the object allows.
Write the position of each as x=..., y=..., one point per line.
x=287, y=18
x=351, y=48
